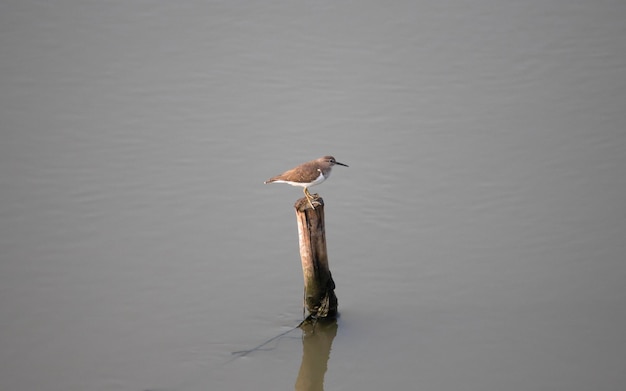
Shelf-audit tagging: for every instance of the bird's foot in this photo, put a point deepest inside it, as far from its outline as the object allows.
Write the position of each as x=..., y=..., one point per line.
x=310, y=202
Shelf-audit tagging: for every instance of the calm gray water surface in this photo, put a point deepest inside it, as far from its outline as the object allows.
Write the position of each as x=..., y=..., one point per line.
x=477, y=238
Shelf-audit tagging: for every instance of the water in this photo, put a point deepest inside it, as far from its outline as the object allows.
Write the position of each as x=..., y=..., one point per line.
x=476, y=240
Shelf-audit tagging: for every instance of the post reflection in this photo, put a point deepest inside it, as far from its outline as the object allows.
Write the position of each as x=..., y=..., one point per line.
x=316, y=344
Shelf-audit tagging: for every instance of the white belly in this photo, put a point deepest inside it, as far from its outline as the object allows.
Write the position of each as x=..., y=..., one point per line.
x=321, y=178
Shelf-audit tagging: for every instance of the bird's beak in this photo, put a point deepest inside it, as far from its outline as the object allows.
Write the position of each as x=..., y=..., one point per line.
x=341, y=164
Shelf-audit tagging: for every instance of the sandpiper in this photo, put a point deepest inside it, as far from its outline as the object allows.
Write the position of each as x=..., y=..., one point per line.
x=307, y=174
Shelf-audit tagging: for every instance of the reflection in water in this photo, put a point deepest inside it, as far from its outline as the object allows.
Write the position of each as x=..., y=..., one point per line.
x=316, y=343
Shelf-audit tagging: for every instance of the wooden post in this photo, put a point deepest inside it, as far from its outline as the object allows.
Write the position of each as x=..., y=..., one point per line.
x=319, y=287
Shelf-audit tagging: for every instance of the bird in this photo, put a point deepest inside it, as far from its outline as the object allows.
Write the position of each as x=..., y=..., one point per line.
x=307, y=174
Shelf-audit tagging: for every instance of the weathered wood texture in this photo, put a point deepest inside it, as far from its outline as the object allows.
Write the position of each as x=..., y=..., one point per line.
x=319, y=287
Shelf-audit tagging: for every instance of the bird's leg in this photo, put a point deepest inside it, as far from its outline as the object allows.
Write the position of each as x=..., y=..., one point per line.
x=308, y=197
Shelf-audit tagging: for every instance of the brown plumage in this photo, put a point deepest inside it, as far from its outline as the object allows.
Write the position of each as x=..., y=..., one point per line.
x=307, y=174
